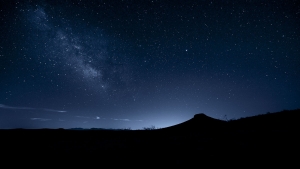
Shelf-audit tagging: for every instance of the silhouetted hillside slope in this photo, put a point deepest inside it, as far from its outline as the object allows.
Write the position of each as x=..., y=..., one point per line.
x=287, y=119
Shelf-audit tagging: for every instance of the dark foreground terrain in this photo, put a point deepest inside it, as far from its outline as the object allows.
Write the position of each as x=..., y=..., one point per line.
x=271, y=136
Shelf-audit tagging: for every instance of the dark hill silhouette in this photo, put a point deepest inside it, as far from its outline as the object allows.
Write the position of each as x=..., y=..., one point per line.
x=287, y=119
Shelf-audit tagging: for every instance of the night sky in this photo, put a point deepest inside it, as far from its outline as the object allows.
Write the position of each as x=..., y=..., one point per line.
x=133, y=64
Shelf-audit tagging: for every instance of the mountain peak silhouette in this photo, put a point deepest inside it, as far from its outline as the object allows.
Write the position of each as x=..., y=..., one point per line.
x=201, y=115
x=199, y=122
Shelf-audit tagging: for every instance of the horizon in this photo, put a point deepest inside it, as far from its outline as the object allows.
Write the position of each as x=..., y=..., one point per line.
x=151, y=127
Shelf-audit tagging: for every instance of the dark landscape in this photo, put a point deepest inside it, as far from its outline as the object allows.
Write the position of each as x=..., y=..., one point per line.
x=267, y=136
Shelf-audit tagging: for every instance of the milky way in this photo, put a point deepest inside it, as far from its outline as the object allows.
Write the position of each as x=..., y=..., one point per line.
x=108, y=64
x=79, y=55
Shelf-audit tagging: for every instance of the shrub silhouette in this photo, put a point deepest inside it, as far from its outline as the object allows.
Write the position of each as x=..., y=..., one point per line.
x=150, y=128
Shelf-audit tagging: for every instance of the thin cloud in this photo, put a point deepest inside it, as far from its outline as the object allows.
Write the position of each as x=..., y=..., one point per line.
x=29, y=108
x=19, y=108
x=85, y=117
x=122, y=119
x=59, y=111
x=39, y=119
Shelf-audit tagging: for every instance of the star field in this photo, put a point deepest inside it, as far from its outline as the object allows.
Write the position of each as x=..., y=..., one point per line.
x=120, y=64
